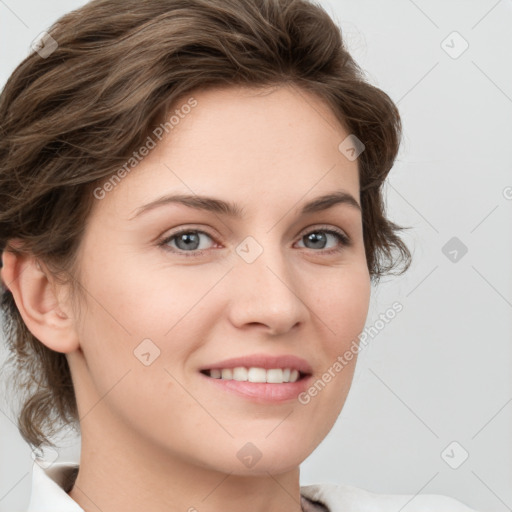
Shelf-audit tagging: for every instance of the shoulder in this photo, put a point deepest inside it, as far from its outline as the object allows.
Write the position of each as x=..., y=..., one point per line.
x=347, y=498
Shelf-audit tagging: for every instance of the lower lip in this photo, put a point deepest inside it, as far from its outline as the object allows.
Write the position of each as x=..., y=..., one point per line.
x=262, y=392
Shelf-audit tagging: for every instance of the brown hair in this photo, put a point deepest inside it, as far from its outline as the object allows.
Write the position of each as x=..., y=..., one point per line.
x=72, y=118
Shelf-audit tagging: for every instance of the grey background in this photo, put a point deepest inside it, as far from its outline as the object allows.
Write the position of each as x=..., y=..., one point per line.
x=440, y=371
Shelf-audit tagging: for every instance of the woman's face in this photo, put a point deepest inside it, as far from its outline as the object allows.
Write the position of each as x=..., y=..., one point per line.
x=274, y=281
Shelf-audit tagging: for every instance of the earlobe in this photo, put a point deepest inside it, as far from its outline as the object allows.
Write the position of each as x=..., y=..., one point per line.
x=36, y=297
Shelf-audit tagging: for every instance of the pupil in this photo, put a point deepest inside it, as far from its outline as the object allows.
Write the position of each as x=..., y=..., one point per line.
x=190, y=239
x=315, y=238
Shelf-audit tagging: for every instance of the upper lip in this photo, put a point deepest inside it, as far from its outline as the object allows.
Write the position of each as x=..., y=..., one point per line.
x=263, y=361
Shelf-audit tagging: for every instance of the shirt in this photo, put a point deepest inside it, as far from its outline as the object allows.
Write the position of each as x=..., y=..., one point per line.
x=51, y=485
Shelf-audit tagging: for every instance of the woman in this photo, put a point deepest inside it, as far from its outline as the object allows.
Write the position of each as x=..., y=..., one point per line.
x=192, y=219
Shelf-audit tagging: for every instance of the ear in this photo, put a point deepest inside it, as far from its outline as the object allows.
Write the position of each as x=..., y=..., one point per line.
x=37, y=297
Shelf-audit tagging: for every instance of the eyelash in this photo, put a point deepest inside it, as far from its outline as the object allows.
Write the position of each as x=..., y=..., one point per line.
x=342, y=238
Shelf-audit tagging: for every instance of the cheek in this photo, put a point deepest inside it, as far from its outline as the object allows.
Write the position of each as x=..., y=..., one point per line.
x=132, y=318
x=342, y=306
x=126, y=355
x=141, y=302
x=342, y=309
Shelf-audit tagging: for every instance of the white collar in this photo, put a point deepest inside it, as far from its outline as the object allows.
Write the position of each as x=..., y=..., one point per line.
x=48, y=494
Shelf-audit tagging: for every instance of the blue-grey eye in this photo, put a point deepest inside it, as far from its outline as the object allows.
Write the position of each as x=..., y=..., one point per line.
x=318, y=238
x=189, y=240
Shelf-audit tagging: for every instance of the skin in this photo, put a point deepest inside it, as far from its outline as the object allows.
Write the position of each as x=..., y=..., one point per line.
x=160, y=437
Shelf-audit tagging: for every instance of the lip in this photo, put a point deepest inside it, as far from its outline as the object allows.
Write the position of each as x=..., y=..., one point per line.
x=262, y=392
x=266, y=361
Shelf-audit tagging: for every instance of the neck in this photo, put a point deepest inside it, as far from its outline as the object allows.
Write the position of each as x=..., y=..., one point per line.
x=117, y=472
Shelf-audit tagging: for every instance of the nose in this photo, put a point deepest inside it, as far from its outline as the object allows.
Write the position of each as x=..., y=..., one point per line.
x=267, y=293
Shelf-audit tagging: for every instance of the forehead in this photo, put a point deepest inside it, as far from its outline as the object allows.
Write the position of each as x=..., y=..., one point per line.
x=245, y=144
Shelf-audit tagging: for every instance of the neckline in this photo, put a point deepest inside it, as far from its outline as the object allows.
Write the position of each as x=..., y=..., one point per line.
x=306, y=504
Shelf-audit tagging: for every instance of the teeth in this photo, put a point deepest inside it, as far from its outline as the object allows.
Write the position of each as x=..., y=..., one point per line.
x=254, y=374
x=275, y=376
x=257, y=375
x=227, y=374
x=240, y=373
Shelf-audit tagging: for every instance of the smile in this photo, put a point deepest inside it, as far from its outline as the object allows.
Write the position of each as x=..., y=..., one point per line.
x=260, y=378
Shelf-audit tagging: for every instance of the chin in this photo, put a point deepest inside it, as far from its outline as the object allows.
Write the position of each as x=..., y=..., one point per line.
x=274, y=464
x=273, y=456
x=261, y=456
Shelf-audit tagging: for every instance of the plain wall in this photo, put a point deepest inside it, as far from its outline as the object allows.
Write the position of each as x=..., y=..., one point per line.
x=439, y=372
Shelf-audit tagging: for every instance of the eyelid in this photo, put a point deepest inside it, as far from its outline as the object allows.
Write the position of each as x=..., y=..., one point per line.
x=323, y=227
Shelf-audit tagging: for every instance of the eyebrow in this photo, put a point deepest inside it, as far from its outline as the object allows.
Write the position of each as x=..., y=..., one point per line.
x=230, y=209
